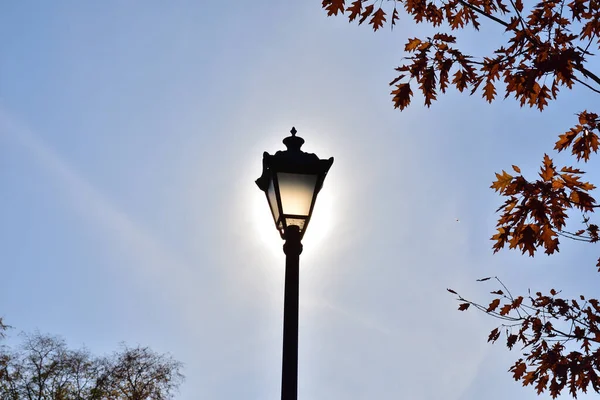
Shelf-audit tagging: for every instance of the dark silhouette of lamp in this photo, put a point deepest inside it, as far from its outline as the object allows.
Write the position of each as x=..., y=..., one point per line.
x=291, y=180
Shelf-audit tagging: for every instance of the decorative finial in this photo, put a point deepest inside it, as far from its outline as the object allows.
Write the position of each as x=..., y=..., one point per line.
x=293, y=142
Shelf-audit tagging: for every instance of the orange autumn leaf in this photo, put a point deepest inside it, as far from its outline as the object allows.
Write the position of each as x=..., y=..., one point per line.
x=365, y=13
x=333, y=7
x=412, y=44
x=493, y=305
x=502, y=181
x=489, y=91
x=354, y=10
x=505, y=309
x=402, y=95
x=377, y=19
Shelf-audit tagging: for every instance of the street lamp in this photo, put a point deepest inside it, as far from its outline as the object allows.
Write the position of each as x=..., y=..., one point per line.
x=291, y=180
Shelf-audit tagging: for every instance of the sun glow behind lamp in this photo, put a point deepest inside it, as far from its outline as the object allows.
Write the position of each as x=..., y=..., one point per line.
x=291, y=180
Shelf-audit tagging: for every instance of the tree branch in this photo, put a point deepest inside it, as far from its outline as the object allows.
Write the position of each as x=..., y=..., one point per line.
x=480, y=11
x=588, y=74
x=573, y=238
x=586, y=85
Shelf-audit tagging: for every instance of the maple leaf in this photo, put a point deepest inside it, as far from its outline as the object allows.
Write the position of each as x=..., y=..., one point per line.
x=397, y=79
x=412, y=44
x=517, y=302
x=542, y=97
x=378, y=19
x=428, y=85
x=584, y=145
x=458, y=20
x=548, y=236
x=494, y=335
x=366, y=13
x=489, y=91
x=460, y=80
x=444, y=71
x=493, y=305
x=547, y=169
x=565, y=140
x=463, y=306
x=505, y=310
x=527, y=238
x=529, y=378
x=518, y=369
x=511, y=340
x=542, y=383
x=571, y=170
x=395, y=17
x=501, y=237
x=586, y=345
x=502, y=181
x=354, y=10
x=402, y=95
x=444, y=37
x=586, y=118
x=558, y=183
x=333, y=6
x=519, y=5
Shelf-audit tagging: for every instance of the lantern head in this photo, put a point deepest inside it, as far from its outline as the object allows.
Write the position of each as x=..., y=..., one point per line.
x=291, y=180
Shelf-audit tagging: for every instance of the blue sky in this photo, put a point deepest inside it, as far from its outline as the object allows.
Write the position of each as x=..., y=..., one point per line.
x=131, y=134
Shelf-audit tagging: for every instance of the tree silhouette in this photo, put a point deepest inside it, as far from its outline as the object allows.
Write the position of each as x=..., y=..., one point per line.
x=44, y=368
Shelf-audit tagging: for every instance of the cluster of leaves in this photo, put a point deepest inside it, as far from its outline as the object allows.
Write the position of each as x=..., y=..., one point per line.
x=534, y=213
x=560, y=338
x=43, y=368
x=547, y=47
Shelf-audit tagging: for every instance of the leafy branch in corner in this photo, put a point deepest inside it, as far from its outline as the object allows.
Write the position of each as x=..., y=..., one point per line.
x=559, y=338
x=547, y=47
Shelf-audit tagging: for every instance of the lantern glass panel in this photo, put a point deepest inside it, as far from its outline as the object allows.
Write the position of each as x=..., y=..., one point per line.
x=297, y=192
x=272, y=196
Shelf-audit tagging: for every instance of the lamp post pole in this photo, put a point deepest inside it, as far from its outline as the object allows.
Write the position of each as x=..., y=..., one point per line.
x=289, y=375
x=291, y=180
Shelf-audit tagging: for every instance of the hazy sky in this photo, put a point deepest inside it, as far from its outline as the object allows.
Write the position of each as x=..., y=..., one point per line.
x=131, y=133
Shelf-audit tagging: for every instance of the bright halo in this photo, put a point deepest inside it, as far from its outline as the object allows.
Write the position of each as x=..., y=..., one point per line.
x=320, y=223
x=264, y=227
x=318, y=228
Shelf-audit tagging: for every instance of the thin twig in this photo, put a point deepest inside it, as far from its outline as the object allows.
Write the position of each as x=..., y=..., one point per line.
x=586, y=85
x=573, y=238
x=480, y=11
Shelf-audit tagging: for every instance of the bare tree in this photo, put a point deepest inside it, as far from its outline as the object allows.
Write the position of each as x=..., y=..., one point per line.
x=140, y=374
x=44, y=368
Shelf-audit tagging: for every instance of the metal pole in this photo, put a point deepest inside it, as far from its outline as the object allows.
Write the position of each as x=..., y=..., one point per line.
x=289, y=374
